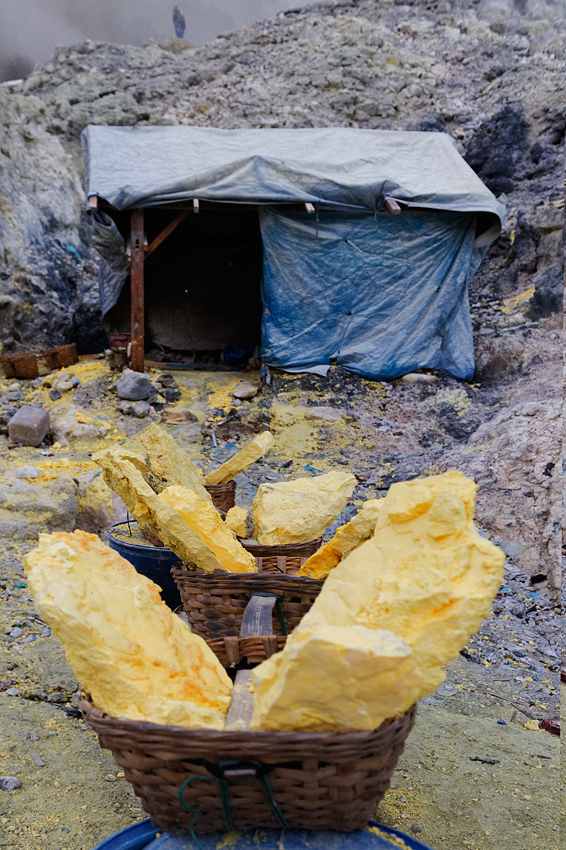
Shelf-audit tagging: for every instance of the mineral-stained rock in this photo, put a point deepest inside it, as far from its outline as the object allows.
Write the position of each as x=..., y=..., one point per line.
x=30, y=507
x=346, y=538
x=242, y=459
x=169, y=462
x=203, y=518
x=388, y=617
x=135, y=657
x=300, y=510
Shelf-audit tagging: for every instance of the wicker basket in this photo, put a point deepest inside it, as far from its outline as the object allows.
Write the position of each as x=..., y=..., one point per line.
x=281, y=559
x=20, y=365
x=60, y=357
x=215, y=602
x=331, y=780
x=223, y=496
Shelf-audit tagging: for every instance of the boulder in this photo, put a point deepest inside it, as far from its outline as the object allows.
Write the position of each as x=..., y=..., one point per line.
x=29, y=426
x=134, y=386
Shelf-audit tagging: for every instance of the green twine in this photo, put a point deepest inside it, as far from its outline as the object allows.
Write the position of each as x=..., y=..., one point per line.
x=223, y=783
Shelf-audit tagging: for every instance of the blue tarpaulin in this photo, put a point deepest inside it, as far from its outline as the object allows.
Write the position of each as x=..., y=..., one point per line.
x=380, y=295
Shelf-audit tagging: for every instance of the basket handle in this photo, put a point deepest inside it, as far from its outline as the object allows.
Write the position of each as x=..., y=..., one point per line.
x=258, y=616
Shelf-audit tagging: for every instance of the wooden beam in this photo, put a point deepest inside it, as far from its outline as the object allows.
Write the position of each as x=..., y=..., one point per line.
x=165, y=233
x=137, y=240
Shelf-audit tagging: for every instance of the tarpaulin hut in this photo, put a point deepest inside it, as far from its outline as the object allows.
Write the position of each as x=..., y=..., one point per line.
x=349, y=246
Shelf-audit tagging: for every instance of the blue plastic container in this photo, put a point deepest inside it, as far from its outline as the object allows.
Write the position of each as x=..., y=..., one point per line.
x=152, y=561
x=143, y=836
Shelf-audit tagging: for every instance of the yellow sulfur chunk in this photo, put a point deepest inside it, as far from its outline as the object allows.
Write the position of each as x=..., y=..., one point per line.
x=426, y=576
x=169, y=462
x=135, y=657
x=239, y=521
x=330, y=678
x=300, y=510
x=346, y=538
x=111, y=462
x=151, y=513
x=205, y=521
x=241, y=460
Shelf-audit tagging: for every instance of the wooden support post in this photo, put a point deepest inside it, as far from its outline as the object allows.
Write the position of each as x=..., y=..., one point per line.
x=137, y=239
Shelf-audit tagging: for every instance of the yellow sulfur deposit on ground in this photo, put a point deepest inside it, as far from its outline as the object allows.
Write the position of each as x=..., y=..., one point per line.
x=300, y=510
x=123, y=472
x=169, y=462
x=239, y=521
x=346, y=538
x=205, y=521
x=127, y=648
x=396, y=609
x=242, y=459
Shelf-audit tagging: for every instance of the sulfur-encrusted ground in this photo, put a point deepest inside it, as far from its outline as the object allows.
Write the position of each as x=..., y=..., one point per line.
x=508, y=672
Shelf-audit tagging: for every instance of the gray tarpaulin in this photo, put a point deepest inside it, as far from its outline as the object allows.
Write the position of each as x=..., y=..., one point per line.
x=380, y=294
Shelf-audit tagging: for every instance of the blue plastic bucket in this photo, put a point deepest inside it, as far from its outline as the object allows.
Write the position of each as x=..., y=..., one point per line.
x=152, y=561
x=143, y=836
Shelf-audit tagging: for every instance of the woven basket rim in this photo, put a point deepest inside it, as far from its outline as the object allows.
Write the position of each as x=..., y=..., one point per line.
x=251, y=544
x=227, y=486
x=186, y=573
x=118, y=725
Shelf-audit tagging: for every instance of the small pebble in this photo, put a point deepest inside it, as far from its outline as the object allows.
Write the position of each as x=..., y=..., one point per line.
x=110, y=777
x=9, y=783
x=245, y=390
x=502, y=722
x=16, y=633
x=54, y=394
x=416, y=827
x=12, y=692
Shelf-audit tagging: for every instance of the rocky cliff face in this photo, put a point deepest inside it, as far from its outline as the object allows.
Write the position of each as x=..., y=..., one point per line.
x=48, y=285
x=484, y=72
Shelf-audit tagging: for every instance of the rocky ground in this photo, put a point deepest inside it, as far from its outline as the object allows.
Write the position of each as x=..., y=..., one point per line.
x=508, y=672
x=490, y=74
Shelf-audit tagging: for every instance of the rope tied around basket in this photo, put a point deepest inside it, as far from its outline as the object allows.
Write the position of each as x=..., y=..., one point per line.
x=278, y=607
x=221, y=774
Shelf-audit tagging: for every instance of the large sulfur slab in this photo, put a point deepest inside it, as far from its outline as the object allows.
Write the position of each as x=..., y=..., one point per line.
x=169, y=462
x=151, y=513
x=205, y=521
x=330, y=678
x=346, y=538
x=133, y=655
x=242, y=459
x=300, y=510
x=426, y=576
